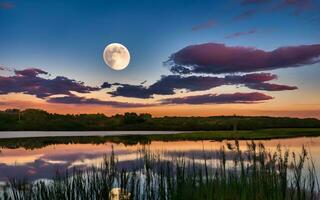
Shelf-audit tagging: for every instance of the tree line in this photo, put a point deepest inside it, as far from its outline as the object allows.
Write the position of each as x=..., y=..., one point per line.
x=40, y=120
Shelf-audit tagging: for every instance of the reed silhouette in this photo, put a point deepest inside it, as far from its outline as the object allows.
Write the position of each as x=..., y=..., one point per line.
x=253, y=173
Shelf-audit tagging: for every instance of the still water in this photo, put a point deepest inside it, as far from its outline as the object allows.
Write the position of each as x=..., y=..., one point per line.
x=42, y=163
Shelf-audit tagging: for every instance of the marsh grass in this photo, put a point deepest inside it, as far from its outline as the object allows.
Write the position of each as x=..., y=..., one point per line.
x=251, y=174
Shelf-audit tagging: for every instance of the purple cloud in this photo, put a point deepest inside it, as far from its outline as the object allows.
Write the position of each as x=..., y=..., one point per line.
x=28, y=82
x=168, y=84
x=270, y=6
x=215, y=58
x=206, y=25
x=239, y=34
x=257, y=81
x=298, y=6
x=250, y=78
x=72, y=99
x=253, y=97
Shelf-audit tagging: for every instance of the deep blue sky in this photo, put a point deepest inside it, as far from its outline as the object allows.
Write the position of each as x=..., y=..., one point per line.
x=67, y=38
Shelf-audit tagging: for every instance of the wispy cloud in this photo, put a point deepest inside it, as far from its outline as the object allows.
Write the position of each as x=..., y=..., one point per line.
x=6, y=5
x=245, y=14
x=270, y=6
x=73, y=99
x=202, y=26
x=239, y=34
x=298, y=6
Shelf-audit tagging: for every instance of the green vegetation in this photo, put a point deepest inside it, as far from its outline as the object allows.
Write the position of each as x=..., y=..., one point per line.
x=39, y=120
x=31, y=143
x=252, y=174
x=205, y=128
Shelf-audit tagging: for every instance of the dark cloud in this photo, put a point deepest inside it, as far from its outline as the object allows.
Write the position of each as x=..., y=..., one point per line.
x=215, y=58
x=136, y=91
x=72, y=99
x=239, y=34
x=6, y=5
x=270, y=87
x=31, y=81
x=168, y=84
x=250, y=78
x=28, y=81
x=143, y=82
x=253, y=97
x=191, y=83
x=206, y=25
x=178, y=69
x=106, y=85
x=257, y=81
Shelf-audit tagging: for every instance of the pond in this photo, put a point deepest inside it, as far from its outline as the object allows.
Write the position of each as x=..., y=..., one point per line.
x=42, y=163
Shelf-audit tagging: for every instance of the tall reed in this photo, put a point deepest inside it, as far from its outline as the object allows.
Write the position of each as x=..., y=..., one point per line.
x=251, y=174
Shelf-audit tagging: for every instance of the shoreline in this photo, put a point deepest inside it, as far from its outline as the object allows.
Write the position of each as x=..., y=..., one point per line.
x=263, y=134
x=37, y=134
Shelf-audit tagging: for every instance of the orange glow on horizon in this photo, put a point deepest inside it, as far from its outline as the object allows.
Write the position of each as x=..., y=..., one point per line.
x=280, y=106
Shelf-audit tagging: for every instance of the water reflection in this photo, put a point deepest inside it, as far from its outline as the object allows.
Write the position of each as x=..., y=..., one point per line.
x=43, y=163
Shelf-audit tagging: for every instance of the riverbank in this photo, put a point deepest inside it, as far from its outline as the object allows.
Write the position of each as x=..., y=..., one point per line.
x=39, y=120
x=38, y=142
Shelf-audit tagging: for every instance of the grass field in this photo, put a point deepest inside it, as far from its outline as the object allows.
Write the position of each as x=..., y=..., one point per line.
x=31, y=143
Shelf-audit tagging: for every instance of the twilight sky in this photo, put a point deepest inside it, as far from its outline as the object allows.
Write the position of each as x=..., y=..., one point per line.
x=246, y=57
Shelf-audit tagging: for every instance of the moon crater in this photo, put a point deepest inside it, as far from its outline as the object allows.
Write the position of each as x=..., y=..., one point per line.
x=116, y=56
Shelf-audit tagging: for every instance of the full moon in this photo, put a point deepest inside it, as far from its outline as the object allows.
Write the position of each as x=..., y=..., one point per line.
x=116, y=56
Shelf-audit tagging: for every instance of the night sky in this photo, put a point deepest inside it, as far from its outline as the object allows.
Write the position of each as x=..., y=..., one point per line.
x=245, y=57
